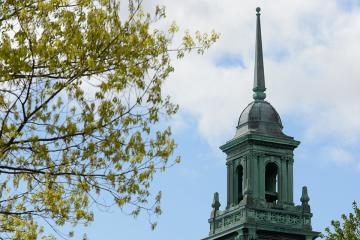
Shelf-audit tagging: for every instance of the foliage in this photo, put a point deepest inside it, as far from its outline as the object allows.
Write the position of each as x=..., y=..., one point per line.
x=349, y=229
x=80, y=99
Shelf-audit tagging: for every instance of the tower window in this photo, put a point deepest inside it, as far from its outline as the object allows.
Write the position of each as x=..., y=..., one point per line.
x=271, y=182
x=239, y=173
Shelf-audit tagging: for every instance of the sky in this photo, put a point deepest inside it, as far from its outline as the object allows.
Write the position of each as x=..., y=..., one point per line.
x=311, y=58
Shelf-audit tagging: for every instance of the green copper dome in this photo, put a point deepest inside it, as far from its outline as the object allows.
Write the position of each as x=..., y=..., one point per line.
x=260, y=117
x=258, y=111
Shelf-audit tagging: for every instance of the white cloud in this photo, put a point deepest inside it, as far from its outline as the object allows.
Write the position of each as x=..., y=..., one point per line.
x=311, y=65
x=178, y=123
x=339, y=155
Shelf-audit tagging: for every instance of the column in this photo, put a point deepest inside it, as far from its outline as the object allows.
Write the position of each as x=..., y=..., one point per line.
x=228, y=185
x=255, y=185
x=245, y=174
x=290, y=179
x=262, y=178
x=284, y=188
x=248, y=174
x=236, y=182
x=231, y=184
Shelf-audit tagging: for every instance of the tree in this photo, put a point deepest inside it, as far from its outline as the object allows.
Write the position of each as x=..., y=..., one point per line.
x=80, y=103
x=349, y=229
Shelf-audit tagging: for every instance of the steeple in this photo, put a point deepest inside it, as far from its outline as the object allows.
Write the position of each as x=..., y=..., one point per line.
x=259, y=162
x=259, y=76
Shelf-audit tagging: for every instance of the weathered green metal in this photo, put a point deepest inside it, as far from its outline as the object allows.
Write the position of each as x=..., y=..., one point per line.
x=216, y=203
x=260, y=117
x=292, y=221
x=305, y=200
x=259, y=164
x=259, y=76
x=304, y=196
x=260, y=139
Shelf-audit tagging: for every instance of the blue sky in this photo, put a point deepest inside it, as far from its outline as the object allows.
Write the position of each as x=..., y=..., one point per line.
x=311, y=50
x=188, y=189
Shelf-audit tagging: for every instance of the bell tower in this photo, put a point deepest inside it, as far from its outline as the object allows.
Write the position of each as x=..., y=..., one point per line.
x=259, y=165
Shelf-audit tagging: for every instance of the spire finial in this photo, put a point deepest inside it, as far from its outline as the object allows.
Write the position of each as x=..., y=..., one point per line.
x=216, y=203
x=258, y=10
x=305, y=200
x=259, y=76
x=304, y=196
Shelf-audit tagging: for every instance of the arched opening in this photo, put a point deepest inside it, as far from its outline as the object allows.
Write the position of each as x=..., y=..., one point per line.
x=239, y=172
x=271, y=182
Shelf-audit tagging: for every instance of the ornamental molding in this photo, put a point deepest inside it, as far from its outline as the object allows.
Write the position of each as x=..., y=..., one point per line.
x=243, y=215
